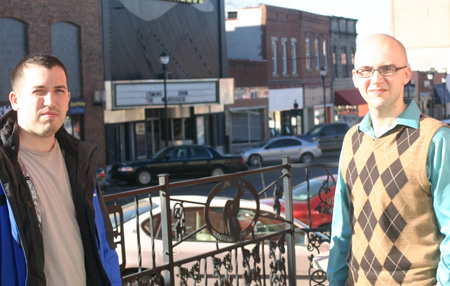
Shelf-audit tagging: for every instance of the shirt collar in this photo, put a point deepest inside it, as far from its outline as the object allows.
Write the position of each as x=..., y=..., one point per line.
x=409, y=117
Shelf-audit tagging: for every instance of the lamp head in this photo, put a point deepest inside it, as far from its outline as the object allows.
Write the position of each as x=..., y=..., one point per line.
x=323, y=72
x=164, y=58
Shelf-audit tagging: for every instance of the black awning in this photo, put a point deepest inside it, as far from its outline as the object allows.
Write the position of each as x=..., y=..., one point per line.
x=348, y=97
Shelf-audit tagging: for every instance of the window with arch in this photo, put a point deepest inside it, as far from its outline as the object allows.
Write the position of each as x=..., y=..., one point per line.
x=344, y=61
x=317, y=51
x=325, y=54
x=284, y=57
x=294, y=56
x=13, y=40
x=66, y=47
x=274, y=57
x=308, y=53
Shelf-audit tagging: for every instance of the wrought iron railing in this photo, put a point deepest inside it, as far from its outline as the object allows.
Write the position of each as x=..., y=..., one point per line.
x=228, y=240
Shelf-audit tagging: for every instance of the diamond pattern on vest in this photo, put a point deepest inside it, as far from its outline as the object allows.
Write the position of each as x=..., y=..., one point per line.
x=369, y=174
x=367, y=220
x=406, y=138
x=394, y=178
x=379, y=211
x=371, y=265
x=397, y=264
x=391, y=222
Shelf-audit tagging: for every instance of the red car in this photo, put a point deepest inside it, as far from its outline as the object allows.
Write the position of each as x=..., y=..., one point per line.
x=321, y=206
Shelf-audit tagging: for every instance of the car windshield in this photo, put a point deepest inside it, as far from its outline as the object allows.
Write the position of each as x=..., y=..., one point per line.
x=163, y=152
x=314, y=130
x=263, y=143
x=129, y=211
x=300, y=191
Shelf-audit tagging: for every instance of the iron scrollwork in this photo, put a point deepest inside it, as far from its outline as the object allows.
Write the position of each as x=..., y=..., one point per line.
x=193, y=273
x=227, y=280
x=277, y=195
x=317, y=276
x=252, y=273
x=277, y=266
x=325, y=206
x=153, y=280
x=179, y=214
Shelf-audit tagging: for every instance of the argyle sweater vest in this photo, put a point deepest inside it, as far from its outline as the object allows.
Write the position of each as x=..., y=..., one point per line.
x=395, y=237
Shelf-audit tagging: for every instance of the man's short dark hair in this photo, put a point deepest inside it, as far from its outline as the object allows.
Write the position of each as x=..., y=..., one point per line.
x=47, y=61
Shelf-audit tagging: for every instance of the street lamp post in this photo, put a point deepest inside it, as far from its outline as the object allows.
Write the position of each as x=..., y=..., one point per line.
x=430, y=76
x=164, y=60
x=444, y=81
x=323, y=73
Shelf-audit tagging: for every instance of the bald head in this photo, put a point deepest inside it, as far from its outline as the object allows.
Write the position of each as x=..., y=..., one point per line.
x=381, y=48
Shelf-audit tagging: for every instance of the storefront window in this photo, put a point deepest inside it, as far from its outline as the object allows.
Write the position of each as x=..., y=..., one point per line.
x=139, y=129
x=180, y=129
x=247, y=126
x=72, y=124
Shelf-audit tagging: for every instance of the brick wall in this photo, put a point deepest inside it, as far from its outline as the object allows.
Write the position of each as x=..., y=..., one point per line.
x=248, y=72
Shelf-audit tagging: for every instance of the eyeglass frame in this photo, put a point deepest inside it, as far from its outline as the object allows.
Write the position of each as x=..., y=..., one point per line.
x=378, y=69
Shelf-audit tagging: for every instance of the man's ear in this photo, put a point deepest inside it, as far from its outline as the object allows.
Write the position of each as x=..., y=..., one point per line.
x=68, y=101
x=13, y=99
x=408, y=75
x=354, y=78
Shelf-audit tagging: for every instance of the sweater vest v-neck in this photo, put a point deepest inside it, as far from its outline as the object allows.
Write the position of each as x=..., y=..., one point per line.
x=395, y=237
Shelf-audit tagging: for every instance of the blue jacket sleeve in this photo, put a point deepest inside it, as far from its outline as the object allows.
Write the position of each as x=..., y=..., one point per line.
x=438, y=170
x=13, y=269
x=337, y=272
x=107, y=255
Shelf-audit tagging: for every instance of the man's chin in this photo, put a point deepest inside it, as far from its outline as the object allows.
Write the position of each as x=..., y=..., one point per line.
x=48, y=130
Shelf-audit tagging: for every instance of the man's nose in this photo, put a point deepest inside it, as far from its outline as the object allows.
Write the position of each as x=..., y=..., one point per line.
x=376, y=76
x=49, y=99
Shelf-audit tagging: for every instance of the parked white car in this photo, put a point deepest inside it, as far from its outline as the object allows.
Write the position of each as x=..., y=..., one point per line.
x=274, y=149
x=203, y=242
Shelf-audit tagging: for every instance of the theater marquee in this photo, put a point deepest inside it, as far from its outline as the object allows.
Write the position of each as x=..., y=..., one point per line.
x=148, y=93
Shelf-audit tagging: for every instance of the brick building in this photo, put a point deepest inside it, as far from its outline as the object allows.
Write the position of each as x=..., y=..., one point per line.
x=283, y=51
x=350, y=107
x=71, y=30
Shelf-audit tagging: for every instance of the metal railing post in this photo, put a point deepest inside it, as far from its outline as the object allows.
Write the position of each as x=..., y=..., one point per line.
x=166, y=229
x=289, y=212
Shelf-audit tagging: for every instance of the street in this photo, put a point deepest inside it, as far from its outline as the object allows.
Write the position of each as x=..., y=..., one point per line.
x=258, y=181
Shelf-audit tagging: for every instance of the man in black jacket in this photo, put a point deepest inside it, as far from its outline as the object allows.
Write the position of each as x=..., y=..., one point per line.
x=55, y=229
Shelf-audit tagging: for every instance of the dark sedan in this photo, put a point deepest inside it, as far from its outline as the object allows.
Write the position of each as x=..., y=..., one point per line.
x=178, y=160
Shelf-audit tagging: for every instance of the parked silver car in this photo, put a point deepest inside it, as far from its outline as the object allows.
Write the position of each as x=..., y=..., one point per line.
x=274, y=149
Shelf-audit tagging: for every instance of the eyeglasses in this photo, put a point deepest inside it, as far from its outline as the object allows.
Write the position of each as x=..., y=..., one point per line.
x=384, y=71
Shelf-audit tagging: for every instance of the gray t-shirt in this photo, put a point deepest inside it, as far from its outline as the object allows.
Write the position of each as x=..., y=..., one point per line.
x=63, y=249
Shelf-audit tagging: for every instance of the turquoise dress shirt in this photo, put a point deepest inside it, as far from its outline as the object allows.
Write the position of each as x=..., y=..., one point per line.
x=438, y=171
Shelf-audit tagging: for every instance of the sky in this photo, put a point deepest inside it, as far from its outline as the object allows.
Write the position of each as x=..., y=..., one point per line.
x=374, y=16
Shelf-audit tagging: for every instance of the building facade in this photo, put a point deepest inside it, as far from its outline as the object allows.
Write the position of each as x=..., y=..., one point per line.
x=135, y=34
x=292, y=47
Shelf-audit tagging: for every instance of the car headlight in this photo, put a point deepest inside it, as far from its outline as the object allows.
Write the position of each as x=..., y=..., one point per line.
x=125, y=169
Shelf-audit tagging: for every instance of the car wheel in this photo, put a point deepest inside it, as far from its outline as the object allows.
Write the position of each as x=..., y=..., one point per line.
x=217, y=171
x=143, y=177
x=255, y=160
x=307, y=158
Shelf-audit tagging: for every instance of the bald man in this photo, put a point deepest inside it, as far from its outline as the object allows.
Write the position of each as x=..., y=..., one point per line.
x=391, y=215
